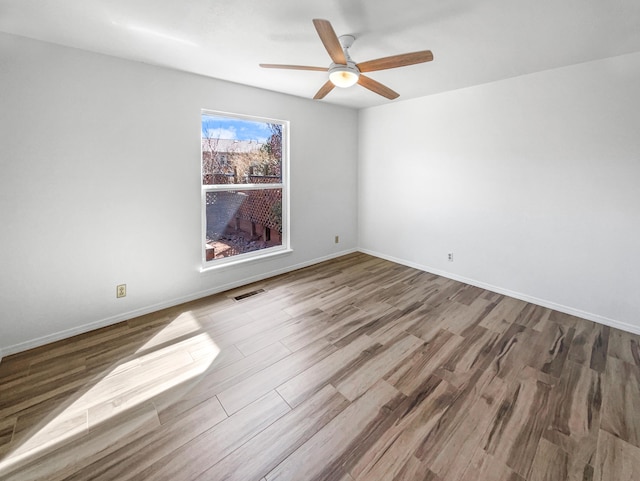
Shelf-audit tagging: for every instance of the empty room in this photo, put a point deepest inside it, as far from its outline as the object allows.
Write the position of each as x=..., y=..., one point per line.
x=342, y=241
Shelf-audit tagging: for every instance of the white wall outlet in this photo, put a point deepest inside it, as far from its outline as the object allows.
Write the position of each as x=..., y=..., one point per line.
x=121, y=291
x=450, y=256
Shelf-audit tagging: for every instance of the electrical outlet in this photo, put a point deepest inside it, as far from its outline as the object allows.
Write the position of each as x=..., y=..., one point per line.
x=450, y=256
x=121, y=290
x=337, y=239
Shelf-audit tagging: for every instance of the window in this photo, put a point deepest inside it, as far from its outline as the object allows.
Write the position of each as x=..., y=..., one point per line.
x=244, y=187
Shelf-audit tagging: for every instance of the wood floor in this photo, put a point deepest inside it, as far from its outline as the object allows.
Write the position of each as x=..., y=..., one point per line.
x=354, y=369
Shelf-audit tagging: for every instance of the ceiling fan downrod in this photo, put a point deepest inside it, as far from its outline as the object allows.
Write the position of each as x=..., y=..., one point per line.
x=344, y=75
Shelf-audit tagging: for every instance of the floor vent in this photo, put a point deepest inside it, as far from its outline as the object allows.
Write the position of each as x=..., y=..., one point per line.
x=248, y=294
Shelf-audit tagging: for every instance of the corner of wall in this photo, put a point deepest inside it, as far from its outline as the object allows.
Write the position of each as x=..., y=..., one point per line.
x=606, y=321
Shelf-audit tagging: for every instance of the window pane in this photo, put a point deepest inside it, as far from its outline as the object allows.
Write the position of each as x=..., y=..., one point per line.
x=239, y=151
x=242, y=221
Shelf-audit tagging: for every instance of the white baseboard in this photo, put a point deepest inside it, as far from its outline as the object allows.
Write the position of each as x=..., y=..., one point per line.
x=518, y=295
x=57, y=336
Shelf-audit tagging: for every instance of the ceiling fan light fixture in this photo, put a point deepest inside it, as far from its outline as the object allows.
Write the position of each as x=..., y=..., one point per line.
x=344, y=76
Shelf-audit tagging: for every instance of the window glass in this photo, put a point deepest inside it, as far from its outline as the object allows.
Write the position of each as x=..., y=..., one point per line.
x=243, y=183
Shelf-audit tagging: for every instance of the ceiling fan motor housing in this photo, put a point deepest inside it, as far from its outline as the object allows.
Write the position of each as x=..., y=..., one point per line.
x=344, y=75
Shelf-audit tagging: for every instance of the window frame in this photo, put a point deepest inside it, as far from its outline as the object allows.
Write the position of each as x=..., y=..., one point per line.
x=283, y=185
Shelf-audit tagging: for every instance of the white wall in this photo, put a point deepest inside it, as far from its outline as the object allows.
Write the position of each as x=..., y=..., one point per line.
x=533, y=183
x=100, y=185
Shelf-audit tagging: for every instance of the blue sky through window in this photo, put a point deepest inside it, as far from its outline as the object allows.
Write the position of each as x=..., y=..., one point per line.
x=214, y=126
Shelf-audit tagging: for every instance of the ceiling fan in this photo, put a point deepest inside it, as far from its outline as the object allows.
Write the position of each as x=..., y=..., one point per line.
x=344, y=72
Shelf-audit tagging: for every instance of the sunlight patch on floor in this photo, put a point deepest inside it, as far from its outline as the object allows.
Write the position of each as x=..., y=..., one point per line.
x=180, y=352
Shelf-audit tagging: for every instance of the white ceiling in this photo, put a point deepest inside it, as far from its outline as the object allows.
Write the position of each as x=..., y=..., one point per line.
x=473, y=41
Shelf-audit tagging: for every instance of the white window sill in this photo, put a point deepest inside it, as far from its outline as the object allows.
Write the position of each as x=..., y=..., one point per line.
x=230, y=262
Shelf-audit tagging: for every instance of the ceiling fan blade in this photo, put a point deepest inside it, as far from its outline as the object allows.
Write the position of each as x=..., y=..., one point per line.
x=324, y=90
x=293, y=67
x=377, y=87
x=330, y=40
x=396, y=61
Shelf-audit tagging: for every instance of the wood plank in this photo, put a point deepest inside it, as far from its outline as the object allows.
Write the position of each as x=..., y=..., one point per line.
x=262, y=453
x=503, y=315
x=389, y=324
x=624, y=346
x=534, y=317
x=336, y=365
x=12, y=402
x=330, y=323
x=36, y=434
x=575, y=417
x=78, y=345
x=253, y=387
x=466, y=432
x=484, y=466
x=290, y=327
x=344, y=323
x=550, y=464
x=590, y=345
x=56, y=463
x=253, y=329
x=7, y=427
x=616, y=459
x=473, y=353
x=414, y=418
x=15, y=367
x=355, y=382
x=416, y=470
x=321, y=456
x=373, y=320
x=195, y=457
x=621, y=403
x=115, y=394
x=48, y=371
x=551, y=348
x=519, y=423
x=192, y=392
x=407, y=376
x=127, y=462
x=467, y=294
x=465, y=396
x=566, y=320
x=322, y=300
x=512, y=352
x=181, y=397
